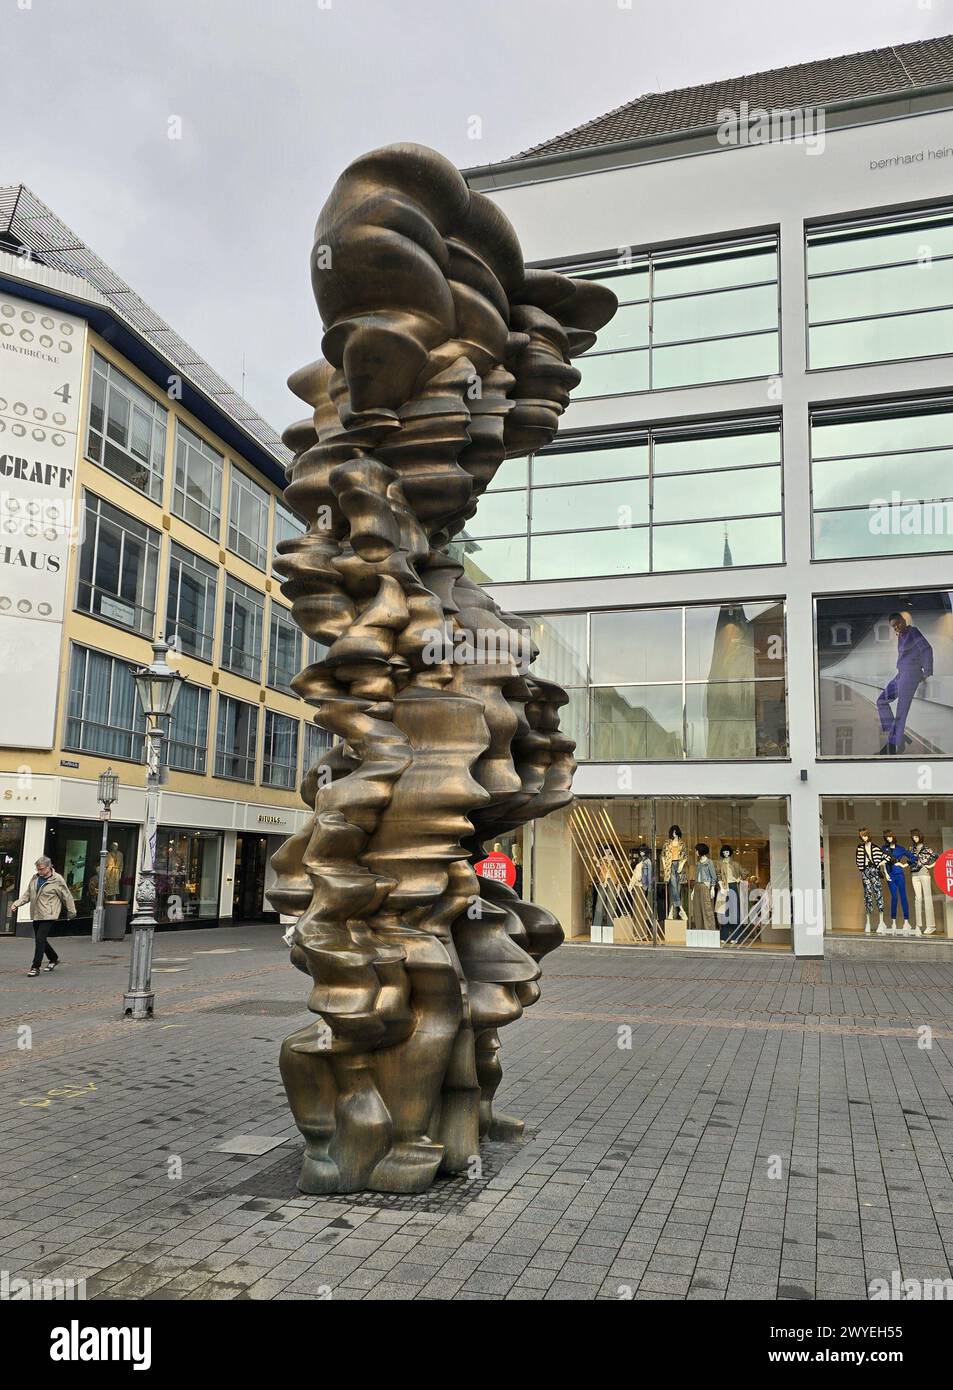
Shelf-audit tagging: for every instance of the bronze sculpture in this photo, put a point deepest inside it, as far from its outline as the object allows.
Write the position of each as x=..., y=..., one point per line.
x=444, y=355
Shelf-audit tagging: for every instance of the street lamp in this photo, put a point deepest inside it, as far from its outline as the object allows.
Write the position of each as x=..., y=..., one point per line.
x=106, y=794
x=157, y=687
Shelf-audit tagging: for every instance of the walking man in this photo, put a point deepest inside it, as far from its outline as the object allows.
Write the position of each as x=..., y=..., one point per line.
x=914, y=665
x=47, y=894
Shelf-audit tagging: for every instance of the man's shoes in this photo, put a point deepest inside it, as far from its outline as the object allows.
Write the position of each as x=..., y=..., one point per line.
x=52, y=964
x=33, y=971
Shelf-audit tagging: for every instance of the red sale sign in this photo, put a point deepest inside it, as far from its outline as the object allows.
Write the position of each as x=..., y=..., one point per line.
x=499, y=867
x=943, y=873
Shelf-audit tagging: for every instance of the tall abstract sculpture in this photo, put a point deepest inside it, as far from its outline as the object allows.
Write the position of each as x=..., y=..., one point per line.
x=444, y=355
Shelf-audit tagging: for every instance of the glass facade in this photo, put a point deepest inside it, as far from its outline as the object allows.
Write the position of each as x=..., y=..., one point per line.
x=188, y=874
x=875, y=885
x=670, y=684
x=880, y=290
x=707, y=497
x=188, y=736
x=685, y=318
x=615, y=872
x=284, y=648
x=118, y=563
x=882, y=480
x=127, y=429
x=279, y=759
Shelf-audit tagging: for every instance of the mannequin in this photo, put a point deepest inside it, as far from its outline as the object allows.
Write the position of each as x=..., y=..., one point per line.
x=706, y=880
x=869, y=861
x=641, y=883
x=113, y=875
x=922, y=880
x=892, y=865
x=674, y=860
x=606, y=887
x=730, y=876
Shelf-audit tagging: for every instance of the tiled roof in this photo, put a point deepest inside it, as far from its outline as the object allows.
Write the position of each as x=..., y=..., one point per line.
x=826, y=82
x=26, y=221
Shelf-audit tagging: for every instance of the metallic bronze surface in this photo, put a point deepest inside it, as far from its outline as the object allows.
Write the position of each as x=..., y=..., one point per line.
x=444, y=355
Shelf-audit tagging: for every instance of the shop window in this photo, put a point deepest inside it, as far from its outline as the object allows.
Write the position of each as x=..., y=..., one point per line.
x=197, y=483
x=279, y=759
x=74, y=847
x=605, y=869
x=11, y=861
x=900, y=691
x=190, y=608
x=881, y=289
x=874, y=886
x=188, y=737
x=248, y=507
x=127, y=429
x=242, y=629
x=284, y=649
x=188, y=874
x=236, y=739
x=118, y=563
x=103, y=713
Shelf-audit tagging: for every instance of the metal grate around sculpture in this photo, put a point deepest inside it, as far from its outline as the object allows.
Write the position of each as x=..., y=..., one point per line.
x=444, y=355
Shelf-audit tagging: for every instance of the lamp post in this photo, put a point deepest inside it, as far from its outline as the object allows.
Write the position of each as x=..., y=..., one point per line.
x=157, y=687
x=106, y=794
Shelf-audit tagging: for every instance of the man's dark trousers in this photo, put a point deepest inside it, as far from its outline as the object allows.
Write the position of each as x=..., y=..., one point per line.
x=41, y=931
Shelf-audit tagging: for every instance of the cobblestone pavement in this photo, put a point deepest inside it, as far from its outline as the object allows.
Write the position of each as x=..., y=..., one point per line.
x=768, y=1129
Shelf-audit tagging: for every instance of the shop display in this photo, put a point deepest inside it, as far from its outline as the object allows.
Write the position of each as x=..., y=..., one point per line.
x=894, y=864
x=706, y=882
x=674, y=862
x=113, y=875
x=728, y=905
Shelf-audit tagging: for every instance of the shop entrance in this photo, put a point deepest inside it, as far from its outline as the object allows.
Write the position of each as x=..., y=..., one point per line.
x=680, y=871
x=252, y=853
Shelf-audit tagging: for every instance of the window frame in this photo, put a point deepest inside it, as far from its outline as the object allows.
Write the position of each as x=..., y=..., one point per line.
x=152, y=543
x=184, y=436
x=136, y=734
x=240, y=483
x=115, y=379
x=193, y=562
x=233, y=588
x=200, y=747
x=279, y=614
x=269, y=762
x=252, y=743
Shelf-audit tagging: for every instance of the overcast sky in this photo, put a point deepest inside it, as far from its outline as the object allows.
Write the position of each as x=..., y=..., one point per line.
x=276, y=96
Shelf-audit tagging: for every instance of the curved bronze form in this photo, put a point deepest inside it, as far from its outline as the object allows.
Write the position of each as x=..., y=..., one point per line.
x=443, y=355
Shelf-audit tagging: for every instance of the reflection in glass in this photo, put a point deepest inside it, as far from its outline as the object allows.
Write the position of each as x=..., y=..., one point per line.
x=707, y=544
x=908, y=529
x=926, y=334
x=590, y=505
x=726, y=359
x=637, y=723
x=561, y=639
x=690, y=274
x=590, y=553
x=489, y=561
x=628, y=328
x=901, y=242
x=881, y=434
x=614, y=373
x=736, y=719
x=635, y=646
x=717, y=494
x=511, y=473
x=629, y=461
x=860, y=481
x=711, y=451
x=892, y=289
x=715, y=315
x=734, y=641
x=499, y=514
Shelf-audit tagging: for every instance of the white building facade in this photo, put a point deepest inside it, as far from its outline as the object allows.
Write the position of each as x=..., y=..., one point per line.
x=752, y=482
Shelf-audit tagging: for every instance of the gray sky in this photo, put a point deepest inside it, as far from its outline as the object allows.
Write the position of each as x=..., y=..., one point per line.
x=276, y=96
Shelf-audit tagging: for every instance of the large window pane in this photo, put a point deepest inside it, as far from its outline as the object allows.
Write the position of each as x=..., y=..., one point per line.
x=861, y=481
x=188, y=738
x=891, y=289
x=242, y=629
x=716, y=494
x=909, y=529
x=728, y=359
x=279, y=760
x=284, y=649
x=711, y=451
x=637, y=723
x=561, y=639
x=629, y=648
x=715, y=315
x=103, y=712
x=197, y=487
x=736, y=719
x=590, y=553
x=236, y=739
x=694, y=273
x=512, y=473
x=734, y=641
x=628, y=328
x=248, y=509
x=499, y=514
x=492, y=561
x=904, y=242
x=612, y=374
x=190, y=610
x=883, y=340
x=626, y=285
x=706, y=545
x=126, y=429
x=589, y=465
x=590, y=505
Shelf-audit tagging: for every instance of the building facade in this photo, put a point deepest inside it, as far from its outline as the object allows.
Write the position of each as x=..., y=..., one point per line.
x=738, y=556
x=140, y=498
